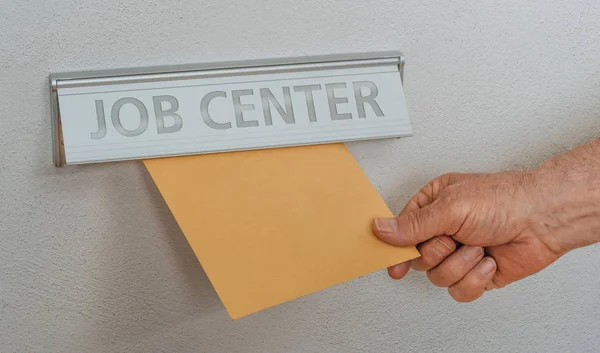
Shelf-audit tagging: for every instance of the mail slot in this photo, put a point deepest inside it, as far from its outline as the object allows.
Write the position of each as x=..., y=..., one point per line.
x=101, y=116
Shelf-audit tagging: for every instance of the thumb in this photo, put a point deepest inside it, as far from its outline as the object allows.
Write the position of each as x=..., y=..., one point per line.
x=417, y=226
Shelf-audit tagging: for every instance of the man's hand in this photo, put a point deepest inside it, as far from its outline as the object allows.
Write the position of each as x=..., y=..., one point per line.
x=478, y=232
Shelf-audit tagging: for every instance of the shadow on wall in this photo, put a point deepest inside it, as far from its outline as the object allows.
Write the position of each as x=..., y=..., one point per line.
x=153, y=281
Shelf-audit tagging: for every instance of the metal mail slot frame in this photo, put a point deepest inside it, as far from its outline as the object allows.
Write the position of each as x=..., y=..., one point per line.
x=204, y=70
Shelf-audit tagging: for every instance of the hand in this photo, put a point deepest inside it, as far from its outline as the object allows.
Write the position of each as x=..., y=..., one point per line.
x=478, y=232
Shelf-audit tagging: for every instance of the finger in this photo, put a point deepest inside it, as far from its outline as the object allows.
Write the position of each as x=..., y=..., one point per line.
x=456, y=266
x=474, y=283
x=491, y=286
x=399, y=271
x=428, y=194
x=420, y=200
x=433, y=252
x=522, y=266
x=412, y=228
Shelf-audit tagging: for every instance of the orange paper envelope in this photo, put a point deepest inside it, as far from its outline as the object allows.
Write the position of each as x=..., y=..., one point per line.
x=269, y=226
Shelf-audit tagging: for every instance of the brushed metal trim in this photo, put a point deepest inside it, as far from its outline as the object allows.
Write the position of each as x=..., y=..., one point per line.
x=57, y=147
x=209, y=73
x=204, y=70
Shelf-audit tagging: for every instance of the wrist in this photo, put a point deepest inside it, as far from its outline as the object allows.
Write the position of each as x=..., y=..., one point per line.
x=568, y=188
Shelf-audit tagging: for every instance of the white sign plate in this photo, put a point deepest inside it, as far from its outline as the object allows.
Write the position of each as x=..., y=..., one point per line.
x=101, y=117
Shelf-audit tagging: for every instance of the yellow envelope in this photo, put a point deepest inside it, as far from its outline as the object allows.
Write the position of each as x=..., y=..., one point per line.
x=269, y=226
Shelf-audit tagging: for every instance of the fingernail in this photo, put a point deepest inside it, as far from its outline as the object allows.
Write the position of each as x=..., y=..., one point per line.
x=386, y=225
x=442, y=248
x=487, y=266
x=472, y=252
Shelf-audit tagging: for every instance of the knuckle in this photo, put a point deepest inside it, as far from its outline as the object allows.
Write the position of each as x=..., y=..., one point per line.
x=435, y=250
x=468, y=290
x=447, y=242
x=424, y=264
x=454, y=207
x=452, y=196
x=429, y=257
x=462, y=295
x=446, y=274
x=500, y=278
x=436, y=279
x=454, y=273
x=419, y=265
x=439, y=184
x=498, y=281
x=415, y=222
x=448, y=178
x=422, y=198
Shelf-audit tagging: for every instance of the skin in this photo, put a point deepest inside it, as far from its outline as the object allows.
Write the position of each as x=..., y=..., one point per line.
x=478, y=232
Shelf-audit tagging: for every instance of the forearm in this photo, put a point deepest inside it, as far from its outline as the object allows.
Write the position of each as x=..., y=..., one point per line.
x=583, y=159
x=571, y=184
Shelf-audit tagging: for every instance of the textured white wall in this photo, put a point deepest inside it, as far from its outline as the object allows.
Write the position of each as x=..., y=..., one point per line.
x=92, y=261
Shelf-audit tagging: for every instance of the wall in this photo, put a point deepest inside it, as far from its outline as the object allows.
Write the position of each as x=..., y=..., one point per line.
x=92, y=261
